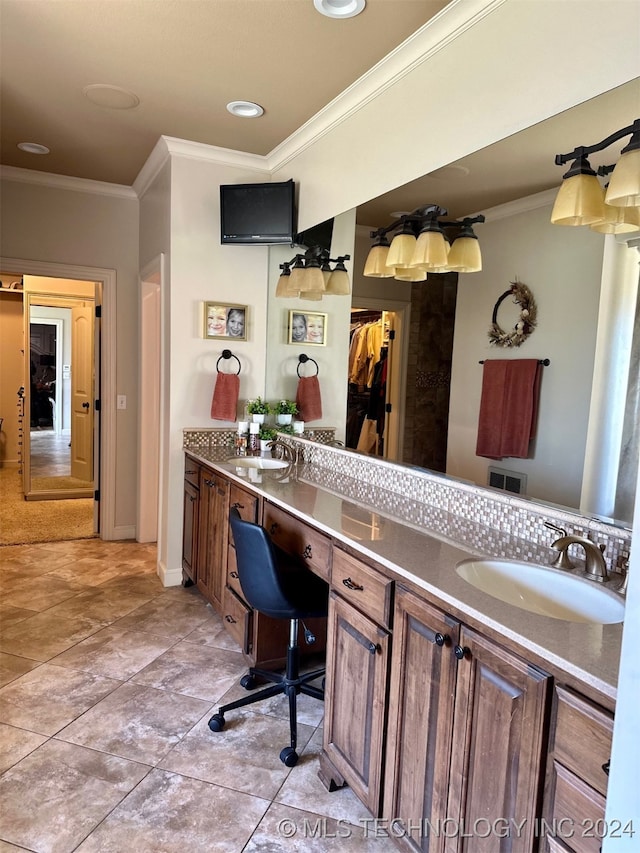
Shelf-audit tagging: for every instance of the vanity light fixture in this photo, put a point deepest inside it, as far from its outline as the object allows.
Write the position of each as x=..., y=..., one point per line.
x=339, y=8
x=421, y=245
x=245, y=109
x=582, y=200
x=311, y=276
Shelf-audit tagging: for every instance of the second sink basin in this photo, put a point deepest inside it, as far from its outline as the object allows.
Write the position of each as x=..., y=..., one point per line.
x=543, y=590
x=261, y=462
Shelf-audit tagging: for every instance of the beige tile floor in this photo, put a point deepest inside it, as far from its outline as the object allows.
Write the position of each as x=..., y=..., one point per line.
x=107, y=681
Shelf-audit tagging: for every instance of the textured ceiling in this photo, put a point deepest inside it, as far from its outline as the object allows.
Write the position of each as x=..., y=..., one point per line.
x=185, y=59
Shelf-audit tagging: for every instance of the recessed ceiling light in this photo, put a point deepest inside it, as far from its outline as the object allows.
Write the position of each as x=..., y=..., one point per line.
x=112, y=97
x=245, y=109
x=33, y=148
x=339, y=8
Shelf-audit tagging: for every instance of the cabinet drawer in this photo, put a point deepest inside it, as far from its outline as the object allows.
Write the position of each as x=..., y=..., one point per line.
x=578, y=812
x=366, y=588
x=233, y=581
x=192, y=472
x=298, y=539
x=245, y=502
x=236, y=617
x=583, y=737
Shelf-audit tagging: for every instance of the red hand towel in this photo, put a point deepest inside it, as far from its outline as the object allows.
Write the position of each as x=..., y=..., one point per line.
x=308, y=399
x=225, y=397
x=508, y=407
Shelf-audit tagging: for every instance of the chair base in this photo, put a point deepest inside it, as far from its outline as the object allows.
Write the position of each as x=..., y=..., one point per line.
x=291, y=684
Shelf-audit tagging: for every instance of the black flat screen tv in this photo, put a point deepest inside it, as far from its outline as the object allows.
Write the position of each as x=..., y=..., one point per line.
x=258, y=213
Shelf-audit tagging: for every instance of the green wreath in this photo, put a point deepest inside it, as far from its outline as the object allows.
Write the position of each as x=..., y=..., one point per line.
x=526, y=322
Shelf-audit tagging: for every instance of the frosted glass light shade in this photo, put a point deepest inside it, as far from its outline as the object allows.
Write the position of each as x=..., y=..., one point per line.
x=376, y=263
x=312, y=280
x=401, y=250
x=465, y=255
x=311, y=295
x=338, y=284
x=431, y=251
x=580, y=201
x=282, y=287
x=624, y=183
x=618, y=220
x=410, y=274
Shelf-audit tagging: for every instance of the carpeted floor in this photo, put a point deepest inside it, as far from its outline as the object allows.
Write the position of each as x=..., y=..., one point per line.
x=40, y=521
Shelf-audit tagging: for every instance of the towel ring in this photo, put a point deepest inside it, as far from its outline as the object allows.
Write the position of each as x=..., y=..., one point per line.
x=226, y=353
x=302, y=358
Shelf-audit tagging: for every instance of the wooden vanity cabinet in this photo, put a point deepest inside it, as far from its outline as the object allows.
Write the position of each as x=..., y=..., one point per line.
x=356, y=679
x=212, y=536
x=190, y=521
x=577, y=777
x=465, y=734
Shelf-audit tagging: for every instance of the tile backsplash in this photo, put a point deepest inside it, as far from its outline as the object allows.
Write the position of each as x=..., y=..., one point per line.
x=481, y=519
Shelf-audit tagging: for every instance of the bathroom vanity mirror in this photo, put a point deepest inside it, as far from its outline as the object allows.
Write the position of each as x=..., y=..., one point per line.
x=566, y=268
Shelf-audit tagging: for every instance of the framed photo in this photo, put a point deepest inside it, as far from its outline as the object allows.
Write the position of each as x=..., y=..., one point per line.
x=307, y=327
x=222, y=320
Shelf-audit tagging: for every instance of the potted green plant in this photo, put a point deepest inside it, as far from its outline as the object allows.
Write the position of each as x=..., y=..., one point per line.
x=258, y=408
x=284, y=411
x=267, y=434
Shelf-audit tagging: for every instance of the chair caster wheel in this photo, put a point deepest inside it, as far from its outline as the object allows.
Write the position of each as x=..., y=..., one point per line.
x=248, y=681
x=289, y=756
x=216, y=723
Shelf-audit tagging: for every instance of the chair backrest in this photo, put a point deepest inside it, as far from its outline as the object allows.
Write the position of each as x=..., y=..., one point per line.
x=258, y=569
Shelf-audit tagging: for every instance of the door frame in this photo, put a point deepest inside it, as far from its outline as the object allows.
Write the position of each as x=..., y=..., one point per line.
x=106, y=281
x=48, y=321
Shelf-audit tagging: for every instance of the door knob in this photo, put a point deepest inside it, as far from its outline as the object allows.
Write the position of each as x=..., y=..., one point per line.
x=85, y=405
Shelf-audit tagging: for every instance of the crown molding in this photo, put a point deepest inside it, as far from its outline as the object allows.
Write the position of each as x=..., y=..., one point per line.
x=152, y=166
x=519, y=205
x=450, y=23
x=65, y=182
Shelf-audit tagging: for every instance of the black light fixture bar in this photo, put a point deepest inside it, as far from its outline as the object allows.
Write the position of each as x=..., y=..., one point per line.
x=421, y=215
x=632, y=130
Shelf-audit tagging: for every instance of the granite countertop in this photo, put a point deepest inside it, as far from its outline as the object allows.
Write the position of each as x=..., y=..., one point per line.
x=585, y=651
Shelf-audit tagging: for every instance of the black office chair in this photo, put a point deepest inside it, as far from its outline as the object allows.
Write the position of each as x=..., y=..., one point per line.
x=278, y=586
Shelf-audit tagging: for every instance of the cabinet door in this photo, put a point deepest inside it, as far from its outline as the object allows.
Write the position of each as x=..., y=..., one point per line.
x=421, y=699
x=190, y=530
x=357, y=657
x=496, y=760
x=213, y=536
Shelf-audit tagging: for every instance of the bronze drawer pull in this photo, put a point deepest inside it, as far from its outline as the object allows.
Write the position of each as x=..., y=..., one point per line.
x=461, y=652
x=372, y=648
x=190, y=472
x=273, y=528
x=441, y=639
x=234, y=574
x=230, y=620
x=238, y=506
x=606, y=766
x=352, y=585
x=209, y=483
x=307, y=553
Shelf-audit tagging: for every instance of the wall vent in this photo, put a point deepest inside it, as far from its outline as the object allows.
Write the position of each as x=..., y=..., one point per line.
x=508, y=481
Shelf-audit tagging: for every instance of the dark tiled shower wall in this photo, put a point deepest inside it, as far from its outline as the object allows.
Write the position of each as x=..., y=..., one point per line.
x=433, y=308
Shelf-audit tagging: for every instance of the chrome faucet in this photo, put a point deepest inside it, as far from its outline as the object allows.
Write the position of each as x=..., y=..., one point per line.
x=289, y=454
x=595, y=565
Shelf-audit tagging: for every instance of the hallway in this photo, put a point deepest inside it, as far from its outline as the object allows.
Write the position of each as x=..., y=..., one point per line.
x=108, y=681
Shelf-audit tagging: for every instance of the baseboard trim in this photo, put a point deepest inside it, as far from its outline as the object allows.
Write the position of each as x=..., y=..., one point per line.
x=169, y=577
x=123, y=532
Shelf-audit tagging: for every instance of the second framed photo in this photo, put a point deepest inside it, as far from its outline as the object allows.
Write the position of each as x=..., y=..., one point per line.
x=307, y=327
x=222, y=320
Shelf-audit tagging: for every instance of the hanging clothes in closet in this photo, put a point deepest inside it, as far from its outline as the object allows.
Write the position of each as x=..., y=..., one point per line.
x=367, y=381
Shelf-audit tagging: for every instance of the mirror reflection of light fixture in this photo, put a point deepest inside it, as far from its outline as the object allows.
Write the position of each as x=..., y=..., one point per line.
x=581, y=199
x=422, y=246
x=311, y=276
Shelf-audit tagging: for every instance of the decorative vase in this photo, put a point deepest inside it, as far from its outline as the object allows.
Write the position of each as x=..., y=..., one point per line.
x=257, y=419
x=283, y=419
x=264, y=445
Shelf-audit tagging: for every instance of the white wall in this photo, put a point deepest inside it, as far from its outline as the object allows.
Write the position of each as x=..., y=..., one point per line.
x=91, y=229
x=562, y=267
x=282, y=357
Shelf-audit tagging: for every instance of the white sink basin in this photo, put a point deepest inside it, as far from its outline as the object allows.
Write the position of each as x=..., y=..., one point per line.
x=261, y=462
x=541, y=589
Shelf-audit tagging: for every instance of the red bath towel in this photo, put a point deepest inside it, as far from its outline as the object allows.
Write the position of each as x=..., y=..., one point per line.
x=224, y=404
x=308, y=399
x=508, y=407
